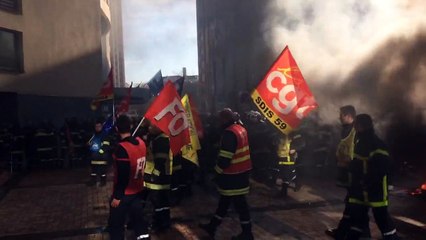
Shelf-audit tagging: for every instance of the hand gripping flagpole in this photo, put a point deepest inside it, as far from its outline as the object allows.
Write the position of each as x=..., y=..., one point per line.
x=136, y=129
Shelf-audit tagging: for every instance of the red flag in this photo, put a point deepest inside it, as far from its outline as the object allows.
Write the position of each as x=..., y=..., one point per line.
x=106, y=92
x=168, y=114
x=283, y=95
x=124, y=104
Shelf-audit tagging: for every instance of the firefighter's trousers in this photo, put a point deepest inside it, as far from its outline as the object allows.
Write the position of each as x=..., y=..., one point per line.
x=161, y=203
x=240, y=205
x=132, y=206
x=345, y=223
x=98, y=170
x=358, y=216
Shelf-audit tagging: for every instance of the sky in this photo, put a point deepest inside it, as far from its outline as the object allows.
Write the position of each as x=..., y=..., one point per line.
x=159, y=34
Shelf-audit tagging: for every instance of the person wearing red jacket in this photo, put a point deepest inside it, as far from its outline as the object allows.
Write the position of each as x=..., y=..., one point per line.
x=233, y=168
x=129, y=162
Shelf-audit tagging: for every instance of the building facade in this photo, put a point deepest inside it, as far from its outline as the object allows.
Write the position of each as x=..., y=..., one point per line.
x=233, y=54
x=59, y=48
x=55, y=55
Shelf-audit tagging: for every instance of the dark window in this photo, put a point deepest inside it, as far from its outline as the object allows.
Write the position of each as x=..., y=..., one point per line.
x=11, y=5
x=11, y=56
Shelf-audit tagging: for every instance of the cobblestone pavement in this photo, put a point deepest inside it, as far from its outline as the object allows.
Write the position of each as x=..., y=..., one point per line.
x=57, y=204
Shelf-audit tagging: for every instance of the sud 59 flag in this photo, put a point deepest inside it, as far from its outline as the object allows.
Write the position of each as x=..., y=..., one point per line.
x=168, y=114
x=283, y=95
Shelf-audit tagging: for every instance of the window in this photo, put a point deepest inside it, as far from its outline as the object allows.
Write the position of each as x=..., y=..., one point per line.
x=11, y=56
x=11, y=5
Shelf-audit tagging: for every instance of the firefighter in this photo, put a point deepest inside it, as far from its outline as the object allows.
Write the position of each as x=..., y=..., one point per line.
x=344, y=156
x=129, y=161
x=368, y=188
x=232, y=167
x=158, y=178
x=286, y=155
x=99, y=146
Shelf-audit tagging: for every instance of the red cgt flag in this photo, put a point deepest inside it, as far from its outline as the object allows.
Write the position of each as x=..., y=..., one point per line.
x=168, y=114
x=283, y=95
x=124, y=104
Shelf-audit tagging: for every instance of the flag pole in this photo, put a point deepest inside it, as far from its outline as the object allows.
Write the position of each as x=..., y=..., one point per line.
x=136, y=129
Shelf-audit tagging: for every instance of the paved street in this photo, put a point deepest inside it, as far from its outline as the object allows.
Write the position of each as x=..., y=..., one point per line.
x=57, y=204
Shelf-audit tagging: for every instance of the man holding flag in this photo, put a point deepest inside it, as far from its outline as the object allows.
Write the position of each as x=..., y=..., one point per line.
x=158, y=178
x=169, y=130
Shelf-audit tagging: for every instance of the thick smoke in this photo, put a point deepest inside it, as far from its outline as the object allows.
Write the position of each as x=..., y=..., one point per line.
x=333, y=41
x=371, y=54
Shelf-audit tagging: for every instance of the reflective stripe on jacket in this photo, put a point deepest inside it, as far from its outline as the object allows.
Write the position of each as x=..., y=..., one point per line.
x=240, y=161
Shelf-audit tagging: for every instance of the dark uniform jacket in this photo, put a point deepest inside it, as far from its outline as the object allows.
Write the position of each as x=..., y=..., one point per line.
x=234, y=163
x=159, y=164
x=368, y=171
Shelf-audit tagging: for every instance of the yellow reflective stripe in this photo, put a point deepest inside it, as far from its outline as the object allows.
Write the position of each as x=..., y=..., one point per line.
x=156, y=172
x=379, y=151
x=105, y=143
x=98, y=162
x=161, y=155
x=360, y=157
x=43, y=134
x=178, y=167
x=378, y=204
x=156, y=186
x=225, y=154
x=233, y=192
x=286, y=163
x=101, y=151
x=218, y=169
x=371, y=204
x=149, y=167
x=44, y=149
x=162, y=136
x=241, y=159
x=243, y=149
x=385, y=188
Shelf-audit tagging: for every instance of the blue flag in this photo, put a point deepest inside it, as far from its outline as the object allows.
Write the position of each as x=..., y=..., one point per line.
x=156, y=83
x=108, y=125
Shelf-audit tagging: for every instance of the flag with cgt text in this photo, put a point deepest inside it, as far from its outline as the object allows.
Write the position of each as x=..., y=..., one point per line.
x=283, y=95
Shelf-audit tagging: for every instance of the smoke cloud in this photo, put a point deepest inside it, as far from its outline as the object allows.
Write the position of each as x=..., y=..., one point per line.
x=371, y=54
x=361, y=52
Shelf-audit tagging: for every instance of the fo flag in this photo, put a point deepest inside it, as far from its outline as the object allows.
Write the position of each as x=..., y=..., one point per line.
x=168, y=114
x=283, y=95
x=106, y=92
